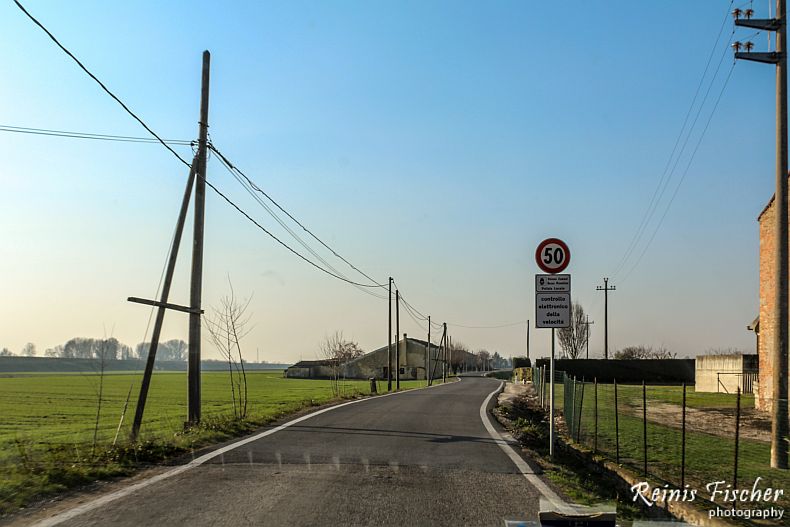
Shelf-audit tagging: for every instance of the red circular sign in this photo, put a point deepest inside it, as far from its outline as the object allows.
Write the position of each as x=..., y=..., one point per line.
x=553, y=255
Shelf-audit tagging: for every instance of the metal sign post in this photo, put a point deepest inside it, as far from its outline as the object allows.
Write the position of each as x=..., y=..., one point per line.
x=552, y=304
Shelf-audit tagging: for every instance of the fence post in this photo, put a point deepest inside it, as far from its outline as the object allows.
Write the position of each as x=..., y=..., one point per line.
x=573, y=410
x=737, y=437
x=595, y=437
x=544, y=387
x=616, y=425
x=683, y=443
x=581, y=410
x=644, y=425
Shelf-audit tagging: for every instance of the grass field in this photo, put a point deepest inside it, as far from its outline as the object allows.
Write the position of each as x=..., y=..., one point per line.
x=710, y=453
x=47, y=422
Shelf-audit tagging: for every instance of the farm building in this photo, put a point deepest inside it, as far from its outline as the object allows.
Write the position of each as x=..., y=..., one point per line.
x=413, y=362
x=725, y=373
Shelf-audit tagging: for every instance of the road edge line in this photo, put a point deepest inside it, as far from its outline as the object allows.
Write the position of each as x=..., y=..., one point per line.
x=540, y=485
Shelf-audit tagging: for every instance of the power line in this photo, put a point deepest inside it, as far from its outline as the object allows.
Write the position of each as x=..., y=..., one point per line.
x=86, y=135
x=256, y=188
x=519, y=323
x=667, y=176
x=683, y=176
x=292, y=233
x=168, y=147
x=264, y=229
x=100, y=83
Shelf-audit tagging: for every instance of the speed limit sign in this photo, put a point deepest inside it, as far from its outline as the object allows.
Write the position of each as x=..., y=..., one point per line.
x=552, y=255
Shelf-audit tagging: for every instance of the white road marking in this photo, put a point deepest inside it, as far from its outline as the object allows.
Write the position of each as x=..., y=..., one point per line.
x=522, y=465
x=196, y=462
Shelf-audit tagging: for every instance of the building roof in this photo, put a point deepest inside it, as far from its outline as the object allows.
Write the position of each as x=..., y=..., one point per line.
x=312, y=363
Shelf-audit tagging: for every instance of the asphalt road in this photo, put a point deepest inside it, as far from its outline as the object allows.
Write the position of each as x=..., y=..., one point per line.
x=422, y=457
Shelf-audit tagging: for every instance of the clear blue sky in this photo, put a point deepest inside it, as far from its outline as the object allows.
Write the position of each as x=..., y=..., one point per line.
x=437, y=142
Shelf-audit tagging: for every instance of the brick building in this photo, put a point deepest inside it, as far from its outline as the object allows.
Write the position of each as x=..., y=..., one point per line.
x=765, y=323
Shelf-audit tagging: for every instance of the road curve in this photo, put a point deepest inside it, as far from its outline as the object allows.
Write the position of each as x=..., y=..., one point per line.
x=422, y=457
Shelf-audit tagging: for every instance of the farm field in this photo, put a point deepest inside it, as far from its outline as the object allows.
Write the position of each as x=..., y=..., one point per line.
x=710, y=435
x=47, y=421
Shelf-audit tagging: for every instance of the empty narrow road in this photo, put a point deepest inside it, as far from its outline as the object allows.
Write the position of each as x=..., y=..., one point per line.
x=422, y=457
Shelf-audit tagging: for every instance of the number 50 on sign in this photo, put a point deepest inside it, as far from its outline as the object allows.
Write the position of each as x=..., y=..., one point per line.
x=552, y=255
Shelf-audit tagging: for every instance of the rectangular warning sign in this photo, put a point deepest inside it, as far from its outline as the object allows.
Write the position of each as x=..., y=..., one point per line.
x=552, y=310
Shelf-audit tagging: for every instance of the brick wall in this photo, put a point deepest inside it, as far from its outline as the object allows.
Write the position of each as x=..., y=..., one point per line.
x=767, y=322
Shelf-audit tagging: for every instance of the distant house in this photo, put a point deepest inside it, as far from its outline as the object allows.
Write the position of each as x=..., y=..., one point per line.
x=311, y=369
x=414, y=361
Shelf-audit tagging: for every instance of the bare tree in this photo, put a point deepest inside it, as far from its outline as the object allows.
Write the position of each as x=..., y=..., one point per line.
x=5, y=352
x=459, y=355
x=573, y=338
x=28, y=350
x=227, y=327
x=338, y=351
x=483, y=358
x=644, y=352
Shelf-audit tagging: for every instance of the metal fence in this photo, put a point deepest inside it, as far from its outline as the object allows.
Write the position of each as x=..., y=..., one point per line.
x=667, y=434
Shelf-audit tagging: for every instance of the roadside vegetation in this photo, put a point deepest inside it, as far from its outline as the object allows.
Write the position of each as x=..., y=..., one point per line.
x=48, y=423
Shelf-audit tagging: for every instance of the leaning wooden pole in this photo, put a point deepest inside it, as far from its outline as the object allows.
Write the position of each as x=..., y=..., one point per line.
x=160, y=312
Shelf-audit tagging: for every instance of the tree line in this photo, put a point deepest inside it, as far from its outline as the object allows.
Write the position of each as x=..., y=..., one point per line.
x=105, y=349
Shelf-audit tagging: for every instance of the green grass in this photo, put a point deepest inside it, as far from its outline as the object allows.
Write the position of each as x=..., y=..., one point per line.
x=47, y=422
x=709, y=456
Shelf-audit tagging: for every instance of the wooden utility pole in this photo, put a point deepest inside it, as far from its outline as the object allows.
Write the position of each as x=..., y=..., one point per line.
x=196, y=285
x=389, y=333
x=397, y=340
x=444, y=357
x=527, y=341
x=587, y=335
x=779, y=344
x=605, y=290
x=428, y=354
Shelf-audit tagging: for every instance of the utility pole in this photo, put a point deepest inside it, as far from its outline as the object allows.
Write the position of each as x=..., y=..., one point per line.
x=428, y=354
x=163, y=305
x=397, y=339
x=196, y=286
x=389, y=337
x=605, y=290
x=779, y=344
x=527, y=339
x=587, y=335
x=444, y=356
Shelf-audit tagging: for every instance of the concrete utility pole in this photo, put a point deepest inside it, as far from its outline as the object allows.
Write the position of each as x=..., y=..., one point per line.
x=196, y=286
x=587, y=335
x=779, y=345
x=605, y=290
x=389, y=337
x=397, y=340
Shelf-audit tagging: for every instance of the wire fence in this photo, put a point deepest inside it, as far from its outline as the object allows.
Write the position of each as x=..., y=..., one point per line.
x=673, y=436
